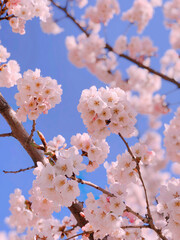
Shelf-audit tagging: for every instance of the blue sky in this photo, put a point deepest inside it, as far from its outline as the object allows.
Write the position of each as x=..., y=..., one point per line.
x=48, y=53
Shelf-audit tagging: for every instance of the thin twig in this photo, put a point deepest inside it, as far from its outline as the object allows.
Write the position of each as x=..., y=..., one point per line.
x=139, y=226
x=32, y=131
x=149, y=219
x=139, y=173
x=128, y=209
x=71, y=229
x=145, y=192
x=79, y=234
x=143, y=219
x=79, y=180
x=20, y=170
x=127, y=145
x=6, y=134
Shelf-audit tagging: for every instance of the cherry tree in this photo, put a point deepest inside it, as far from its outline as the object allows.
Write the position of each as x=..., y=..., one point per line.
x=141, y=197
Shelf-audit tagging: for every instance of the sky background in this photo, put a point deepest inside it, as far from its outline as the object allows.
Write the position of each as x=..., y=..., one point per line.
x=48, y=53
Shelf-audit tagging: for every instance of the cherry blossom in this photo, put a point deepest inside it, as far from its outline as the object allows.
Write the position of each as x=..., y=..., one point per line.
x=172, y=139
x=140, y=14
x=25, y=10
x=96, y=150
x=141, y=198
x=103, y=11
x=106, y=109
x=50, y=26
x=9, y=72
x=36, y=95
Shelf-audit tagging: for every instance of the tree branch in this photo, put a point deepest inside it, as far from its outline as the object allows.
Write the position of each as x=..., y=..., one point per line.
x=18, y=131
x=20, y=170
x=6, y=135
x=149, y=220
x=108, y=47
x=79, y=180
x=32, y=131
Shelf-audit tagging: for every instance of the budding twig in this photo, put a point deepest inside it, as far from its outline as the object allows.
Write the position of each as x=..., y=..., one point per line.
x=43, y=140
x=32, y=131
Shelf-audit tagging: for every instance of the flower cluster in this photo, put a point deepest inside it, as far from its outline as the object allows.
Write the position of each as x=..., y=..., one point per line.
x=50, y=26
x=9, y=72
x=25, y=214
x=95, y=150
x=86, y=50
x=141, y=13
x=169, y=206
x=21, y=216
x=122, y=171
x=55, y=181
x=89, y=51
x=56, y=143
x=106, y=109
x=137, y=48
x=172, y=14
x=36, y=95
x=170, y=63
x=172, y=138
x=25, y=10
x=103, y=215
x=103, y=11
x=142, y=81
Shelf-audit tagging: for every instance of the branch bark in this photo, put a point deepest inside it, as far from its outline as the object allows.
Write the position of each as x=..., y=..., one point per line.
x=19, y=132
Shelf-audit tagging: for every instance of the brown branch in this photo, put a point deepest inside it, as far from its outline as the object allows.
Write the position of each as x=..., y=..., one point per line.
x=6, y=135
x=108, y=47
x=149, y=218
x=143, y=219
x=18, y=131
x=127, y=145
x=71, y=229
x=7, y=17
x=76, y=208
x=70, y=17
x=20, y=170
x=32, y=131
x=79, y=234
x=128, y=209
x=79, y=180
x=139, y=226
x=140, y=176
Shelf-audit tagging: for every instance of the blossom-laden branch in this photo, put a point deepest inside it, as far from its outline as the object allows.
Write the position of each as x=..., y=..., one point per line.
x=32, y=131
x=19, y=132
x=128, y=209
x=109, y=48
x=149, y=215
